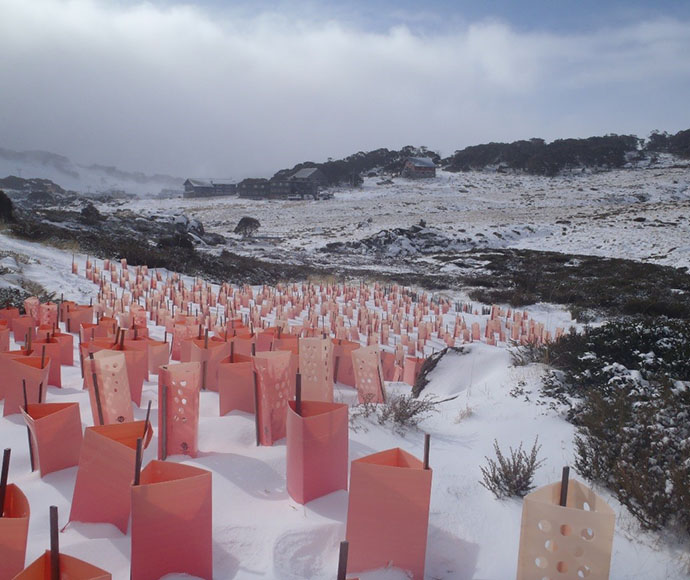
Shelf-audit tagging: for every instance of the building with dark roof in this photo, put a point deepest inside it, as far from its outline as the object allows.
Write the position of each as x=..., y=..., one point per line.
x=208, y=187
x=419, y=167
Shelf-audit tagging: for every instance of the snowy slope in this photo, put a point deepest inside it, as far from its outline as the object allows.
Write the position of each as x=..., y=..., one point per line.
x=637, y=213
x=259, y=532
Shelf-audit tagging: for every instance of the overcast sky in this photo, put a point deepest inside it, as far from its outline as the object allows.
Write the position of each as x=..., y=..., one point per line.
x=233, y=89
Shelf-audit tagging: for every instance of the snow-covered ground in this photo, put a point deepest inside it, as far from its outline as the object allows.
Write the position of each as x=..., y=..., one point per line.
x=637, y=213
x=258, y=531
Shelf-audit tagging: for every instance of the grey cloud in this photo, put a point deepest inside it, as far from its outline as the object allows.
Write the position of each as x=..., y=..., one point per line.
x=179, y=90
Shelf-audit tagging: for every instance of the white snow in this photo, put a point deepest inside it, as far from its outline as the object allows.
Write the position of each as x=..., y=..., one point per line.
x=259, y=532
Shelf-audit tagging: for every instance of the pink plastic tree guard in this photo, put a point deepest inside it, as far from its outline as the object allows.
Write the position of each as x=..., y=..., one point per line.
x=342, y=351
x=368, y=374
x=317, y=449
x=113, y=387
x=55, y=435
x=571, y=541
x=14, y=528
x=172, y=522
x=388, y=512
x=276, y=383
x=316, y=368
x=411, y=368
x=210, y=352
x=236, y=385
x=20, y=371
x=106, y=472
x=183, y=383
x=71, y=568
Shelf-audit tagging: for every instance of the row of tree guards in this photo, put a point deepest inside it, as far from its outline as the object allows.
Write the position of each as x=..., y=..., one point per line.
x=111, y=485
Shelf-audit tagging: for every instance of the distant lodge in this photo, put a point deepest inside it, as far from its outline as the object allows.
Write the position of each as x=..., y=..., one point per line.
x=209, y=187
x=303, y=184
x=419, y=168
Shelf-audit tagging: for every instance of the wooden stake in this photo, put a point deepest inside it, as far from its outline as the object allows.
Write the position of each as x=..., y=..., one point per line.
x=43, y=359
x=96, y=392
x=206, y=338
x=3, y=477
x=335, y=369
x=28, y=431
x=204, y=368
x=427, y=441
x=256, y=408
x=564, y=485
x=163, y=431
x=54, y=544
x=122, y=339
x=146, y=422
x=342, y=560
x=298, y=394
x=137, y=461
x=40, y=392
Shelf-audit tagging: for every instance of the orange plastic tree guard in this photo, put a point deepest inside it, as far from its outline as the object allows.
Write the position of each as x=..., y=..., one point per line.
x=136, y=363
x=342, y=350
x=48, y=314
x=388, y=512
x=411, y=368
x=21, y=325
x=368, y=374
x=77, y=315
x=14, y=527
x=571, y=541
x=236, y=385
x=289, y=343
x=159, y=355
x=172, y=522
x=8, y=314
x=71, y=568
x=182, y=332
x=211, y=352
x=52, y=351
x=18, y=371
x=317, y=449
x=66, y=342
x=106, y=472
x=181, y=435
x=316, y=368
x=276, y=383
x=110, y=369
x=391, y=369
x=55, y=434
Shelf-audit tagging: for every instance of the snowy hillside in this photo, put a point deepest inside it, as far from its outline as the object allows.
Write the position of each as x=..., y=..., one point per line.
x=260, y=532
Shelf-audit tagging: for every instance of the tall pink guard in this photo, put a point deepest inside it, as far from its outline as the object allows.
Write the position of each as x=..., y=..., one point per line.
x=110, y=391
x=50, y=349
x=317, y=449
x=388, y=512
x=55, y=435
x=571, y=541
x=71, y=568
x=21, y=371
x=105, y=473
x=344, y=372
x=276, y=386
x=172, y=522
x=211, y=353
x=236, y=384
x=136, y=367
x=411, y=368
x=368, y=374
x=14, y=529
x=178, y=409
x=316, y=368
